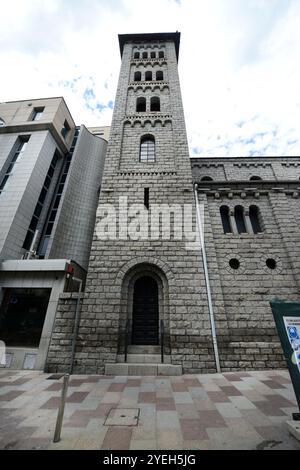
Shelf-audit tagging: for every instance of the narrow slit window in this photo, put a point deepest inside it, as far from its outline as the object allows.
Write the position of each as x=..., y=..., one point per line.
x=146, y=198
x=239, y=219
x=225, y=217
x=254, y=216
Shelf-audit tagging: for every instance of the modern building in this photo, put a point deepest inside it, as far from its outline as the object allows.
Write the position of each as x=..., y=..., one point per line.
x=100, y=131
x=50, y=178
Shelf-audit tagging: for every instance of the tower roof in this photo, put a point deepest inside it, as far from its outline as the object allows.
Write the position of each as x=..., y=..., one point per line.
x=123, y=38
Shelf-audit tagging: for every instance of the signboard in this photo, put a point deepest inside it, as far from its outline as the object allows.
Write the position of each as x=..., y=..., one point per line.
x=287, y=319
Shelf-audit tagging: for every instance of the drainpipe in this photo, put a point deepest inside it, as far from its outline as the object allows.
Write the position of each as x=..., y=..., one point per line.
x=76, y=323
x=207, y=283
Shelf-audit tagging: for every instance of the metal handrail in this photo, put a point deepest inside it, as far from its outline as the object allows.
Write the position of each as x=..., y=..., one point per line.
x=126, y=338
x=162, y=338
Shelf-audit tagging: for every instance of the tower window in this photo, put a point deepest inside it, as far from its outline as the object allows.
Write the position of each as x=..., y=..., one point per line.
x=161, y=54
x=146, y=198
x=255, y=178
x=159, y=75
x=136, y=55
x=145, y=55
x=18, y=152
x=37, y=114
x=271, y=263
x=239, y=219
x=152, y=55
x=155, y=104
x=234, y=263
x=148, y=76
x=137, y=76
x=141, y=105
x=147, y=149
x=254, y=216
x=224, y=212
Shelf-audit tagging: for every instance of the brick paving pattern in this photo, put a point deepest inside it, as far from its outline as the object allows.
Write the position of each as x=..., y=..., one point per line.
x=213, y=411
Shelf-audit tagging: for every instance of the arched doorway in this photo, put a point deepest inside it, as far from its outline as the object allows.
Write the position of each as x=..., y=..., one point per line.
x=145, y=312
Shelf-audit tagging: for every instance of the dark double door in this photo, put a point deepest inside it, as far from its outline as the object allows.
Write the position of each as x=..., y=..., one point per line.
x=145, y=312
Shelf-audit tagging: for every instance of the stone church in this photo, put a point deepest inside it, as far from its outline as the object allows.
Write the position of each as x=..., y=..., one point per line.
x=153, y=306
x=158, y=305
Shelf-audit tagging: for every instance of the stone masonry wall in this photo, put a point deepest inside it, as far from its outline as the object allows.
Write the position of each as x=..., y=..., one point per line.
x=112, y=260
x=59, y=353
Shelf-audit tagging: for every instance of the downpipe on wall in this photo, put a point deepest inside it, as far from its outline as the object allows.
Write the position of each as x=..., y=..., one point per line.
x=207, y=283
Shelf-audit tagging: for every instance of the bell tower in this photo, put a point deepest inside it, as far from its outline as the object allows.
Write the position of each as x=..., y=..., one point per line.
x=145, y=286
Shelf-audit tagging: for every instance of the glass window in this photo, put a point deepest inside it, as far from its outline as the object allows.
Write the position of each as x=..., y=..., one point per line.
x=141, y=105
x=239, y=219
x=255, y=219
x=155, y=104
x=224, y=211
x=37, y=114
x=147, y=150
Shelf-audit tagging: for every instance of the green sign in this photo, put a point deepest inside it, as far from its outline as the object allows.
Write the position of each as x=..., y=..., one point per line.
x=287, y=319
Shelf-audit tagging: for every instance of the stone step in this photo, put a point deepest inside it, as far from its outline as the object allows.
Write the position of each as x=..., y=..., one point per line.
x=136, y=349
x=143, y=358
x=122, y=368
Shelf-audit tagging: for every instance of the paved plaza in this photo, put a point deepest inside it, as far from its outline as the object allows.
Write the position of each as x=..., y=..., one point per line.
x=241, y=410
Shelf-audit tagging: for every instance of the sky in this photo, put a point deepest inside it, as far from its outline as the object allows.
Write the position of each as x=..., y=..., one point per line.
x=239, y=64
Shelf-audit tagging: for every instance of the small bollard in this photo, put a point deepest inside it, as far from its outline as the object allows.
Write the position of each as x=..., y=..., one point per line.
x=60, y=414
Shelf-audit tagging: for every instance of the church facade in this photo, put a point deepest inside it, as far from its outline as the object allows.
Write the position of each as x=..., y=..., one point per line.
x=155, y=304
x=184, y=254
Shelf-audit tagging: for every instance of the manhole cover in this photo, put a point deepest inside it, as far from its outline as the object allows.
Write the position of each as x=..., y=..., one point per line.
x=122, y=417
x=55, y=376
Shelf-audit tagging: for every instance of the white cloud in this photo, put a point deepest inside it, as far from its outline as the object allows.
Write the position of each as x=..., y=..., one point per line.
x=238, y=64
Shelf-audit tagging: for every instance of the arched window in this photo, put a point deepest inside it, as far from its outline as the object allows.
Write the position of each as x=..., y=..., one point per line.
x=206, y=178
x=255, y=178
x=161, y=54
x=145, y=55
x=147, y=149
x=136, y=55
x=153, y=55
x=239, y=219
x=137, y=76
x=155, y=104
x=224, y=212
x=159, y=75
x=148, y=76
x=254, y=217
x=141, y=105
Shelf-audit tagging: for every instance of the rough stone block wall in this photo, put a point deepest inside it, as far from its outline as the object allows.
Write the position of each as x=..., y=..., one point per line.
x=248, y=339
x=59, y=353
x=112, y=262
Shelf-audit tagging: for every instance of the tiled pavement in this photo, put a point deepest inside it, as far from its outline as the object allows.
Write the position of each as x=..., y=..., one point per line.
x=217, y=411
